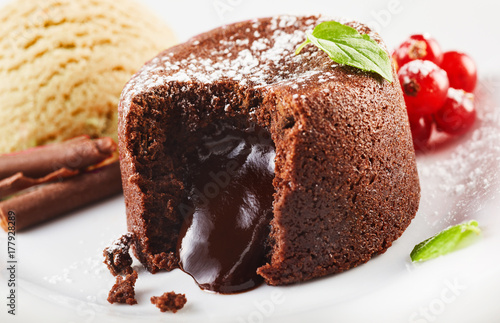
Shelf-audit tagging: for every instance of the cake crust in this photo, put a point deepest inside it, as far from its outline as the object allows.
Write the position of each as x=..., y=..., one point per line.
x=346, y=183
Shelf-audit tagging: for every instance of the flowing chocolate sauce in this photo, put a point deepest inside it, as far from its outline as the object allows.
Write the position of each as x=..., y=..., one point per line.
x=223, y=239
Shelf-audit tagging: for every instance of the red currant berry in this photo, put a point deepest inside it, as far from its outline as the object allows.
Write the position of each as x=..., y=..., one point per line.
x=421, y=47
x=421, y=129
x=461, y=69
x=425, y=86
x=458, y=113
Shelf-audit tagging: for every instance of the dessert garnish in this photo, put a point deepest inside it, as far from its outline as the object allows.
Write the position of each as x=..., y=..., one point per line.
x=461, y=70
x=41, y=183
x=448, y=240
x=457, y=115
x=123, y=291
x=345, y=45
x=425, y=86
x=169, y=301
x=420, y=46
x=437, y=88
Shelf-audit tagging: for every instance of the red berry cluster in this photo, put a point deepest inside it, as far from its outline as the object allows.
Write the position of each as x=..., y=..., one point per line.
x=437, y=88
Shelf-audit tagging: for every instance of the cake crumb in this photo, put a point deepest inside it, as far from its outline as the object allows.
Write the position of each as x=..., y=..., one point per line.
x=123, y=290
x=169, y=301
x=117, y=257
x=167, y=261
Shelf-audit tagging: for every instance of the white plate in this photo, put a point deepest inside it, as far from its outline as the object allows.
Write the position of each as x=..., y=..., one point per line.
x=61, y=276
x=61, y=262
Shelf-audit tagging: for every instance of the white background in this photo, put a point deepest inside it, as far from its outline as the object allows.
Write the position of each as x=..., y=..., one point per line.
x=471, y=26
x=62, y=279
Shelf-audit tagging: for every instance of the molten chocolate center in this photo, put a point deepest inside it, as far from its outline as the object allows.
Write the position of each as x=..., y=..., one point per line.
x=223, y=240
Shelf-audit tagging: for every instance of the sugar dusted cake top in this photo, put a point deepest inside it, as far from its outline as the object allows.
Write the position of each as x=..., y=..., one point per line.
x=259, y=53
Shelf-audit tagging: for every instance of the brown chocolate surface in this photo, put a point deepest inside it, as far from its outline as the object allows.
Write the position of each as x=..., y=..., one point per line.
x=345, y=180
x=123, y=291
x=169, y=302
x=223, y=239
x=117, y=257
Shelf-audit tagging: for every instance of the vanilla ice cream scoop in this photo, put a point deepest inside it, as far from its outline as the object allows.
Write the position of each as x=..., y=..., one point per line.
x=63, y=64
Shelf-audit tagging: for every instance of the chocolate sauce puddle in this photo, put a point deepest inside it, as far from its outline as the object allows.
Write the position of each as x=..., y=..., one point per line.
x=223, y=239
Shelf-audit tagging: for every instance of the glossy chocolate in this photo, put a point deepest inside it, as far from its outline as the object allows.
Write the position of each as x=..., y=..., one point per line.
x=223, y=239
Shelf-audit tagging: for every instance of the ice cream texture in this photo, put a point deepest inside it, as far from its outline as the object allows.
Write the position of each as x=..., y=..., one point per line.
x=63, y=64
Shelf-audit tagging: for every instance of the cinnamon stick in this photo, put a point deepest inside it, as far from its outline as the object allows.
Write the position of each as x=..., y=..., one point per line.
x=75, y=154
x=52, y=200
x=19, y=182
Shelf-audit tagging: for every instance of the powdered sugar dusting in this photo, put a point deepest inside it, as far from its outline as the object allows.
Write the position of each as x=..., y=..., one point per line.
x=92, y=266
x=246, y=57
x=465, y=98
x=284, y=44
x=456, y=182
x=119, y=244
x=455, y=94
x=420, y=67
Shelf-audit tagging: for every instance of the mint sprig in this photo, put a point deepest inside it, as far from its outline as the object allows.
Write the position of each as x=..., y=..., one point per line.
x=448, y=240
x=345, y=45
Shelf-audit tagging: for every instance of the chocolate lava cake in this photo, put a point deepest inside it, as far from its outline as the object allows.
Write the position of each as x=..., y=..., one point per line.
x=244, y=162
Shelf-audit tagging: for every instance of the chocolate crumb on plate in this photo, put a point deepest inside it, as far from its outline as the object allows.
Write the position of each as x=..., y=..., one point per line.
x=123, y=290
x=171, y=301
x=117, y=256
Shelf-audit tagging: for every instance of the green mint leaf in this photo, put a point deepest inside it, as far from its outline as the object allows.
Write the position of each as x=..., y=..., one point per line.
x=448, y=240
x=346, y=46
